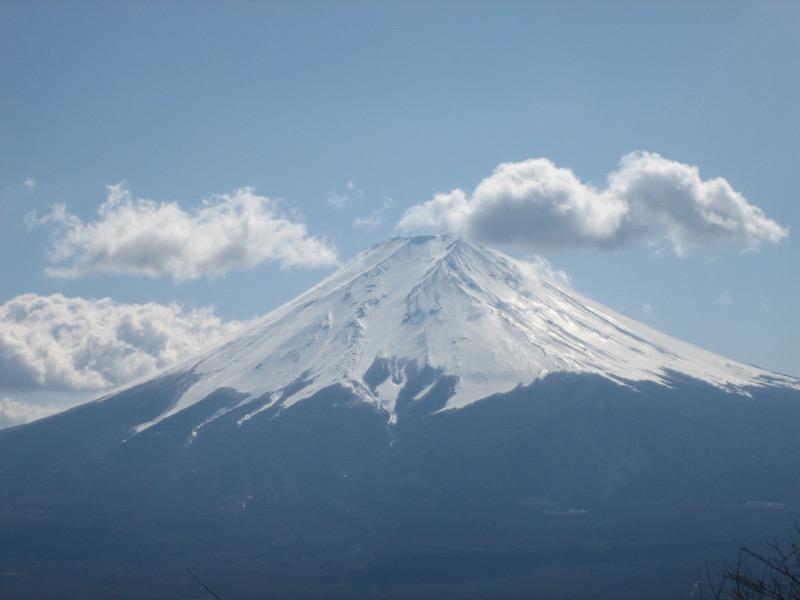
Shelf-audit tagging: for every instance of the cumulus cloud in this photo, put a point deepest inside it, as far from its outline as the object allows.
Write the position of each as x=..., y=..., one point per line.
x=135, y=236
x=537, y=205
x=536, y=266
x=59, y=343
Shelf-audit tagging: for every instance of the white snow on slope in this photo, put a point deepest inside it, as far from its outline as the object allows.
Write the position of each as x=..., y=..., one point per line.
x=491, y=321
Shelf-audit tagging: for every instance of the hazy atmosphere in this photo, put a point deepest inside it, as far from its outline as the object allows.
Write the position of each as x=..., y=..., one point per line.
x=173, y=170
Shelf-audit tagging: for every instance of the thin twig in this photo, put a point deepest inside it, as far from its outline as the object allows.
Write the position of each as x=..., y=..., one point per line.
x=205, y=587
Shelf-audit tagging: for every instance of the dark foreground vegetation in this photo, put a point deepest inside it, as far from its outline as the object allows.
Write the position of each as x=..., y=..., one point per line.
x=773, y=574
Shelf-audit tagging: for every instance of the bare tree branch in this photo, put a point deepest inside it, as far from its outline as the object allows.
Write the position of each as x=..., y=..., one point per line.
x=755, y=576
x=205, y=587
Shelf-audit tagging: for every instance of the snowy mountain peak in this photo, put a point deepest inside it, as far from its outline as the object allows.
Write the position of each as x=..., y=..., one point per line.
x=452, y=309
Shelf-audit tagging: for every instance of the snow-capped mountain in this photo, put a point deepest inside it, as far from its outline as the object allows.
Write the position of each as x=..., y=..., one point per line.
x=491, y=322
x=435, y=420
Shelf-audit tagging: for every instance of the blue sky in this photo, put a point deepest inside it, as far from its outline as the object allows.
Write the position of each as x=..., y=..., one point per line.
x=236, y=150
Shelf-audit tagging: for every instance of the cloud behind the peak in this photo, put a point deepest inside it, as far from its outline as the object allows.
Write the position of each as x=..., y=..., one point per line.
x=134, y=236
x=537, y=205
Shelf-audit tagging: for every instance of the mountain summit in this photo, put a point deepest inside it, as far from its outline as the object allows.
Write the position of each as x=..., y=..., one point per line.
x=486, y=322
x=435, y=420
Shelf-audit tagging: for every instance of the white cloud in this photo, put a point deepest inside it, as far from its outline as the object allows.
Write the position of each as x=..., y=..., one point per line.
x=537, y=205
x=447, y=210
x=17, y=413
x=59, y=343
x=647, y=309
x=669, y=199
x=537, y=266
x=134, y=236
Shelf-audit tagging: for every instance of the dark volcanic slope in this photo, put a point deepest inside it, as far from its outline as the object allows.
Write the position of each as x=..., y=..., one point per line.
x=573, y=487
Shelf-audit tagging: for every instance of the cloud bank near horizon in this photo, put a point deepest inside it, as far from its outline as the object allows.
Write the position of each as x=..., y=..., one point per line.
x=135, y=236
x=536, y=205
x=13, y=412
x=59, y=343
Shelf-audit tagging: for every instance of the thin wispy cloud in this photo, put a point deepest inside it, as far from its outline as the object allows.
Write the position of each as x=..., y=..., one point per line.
x=724, y=298
x=59, y=343
x=537, y=205
x=340, y=200
x=336, y=199
x=375, y=218
x=135, y=236
x=13, y=412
